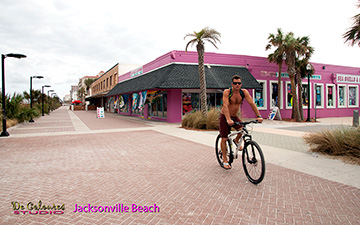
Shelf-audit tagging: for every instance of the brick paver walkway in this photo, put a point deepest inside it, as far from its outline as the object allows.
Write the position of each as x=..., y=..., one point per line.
x=146, y=167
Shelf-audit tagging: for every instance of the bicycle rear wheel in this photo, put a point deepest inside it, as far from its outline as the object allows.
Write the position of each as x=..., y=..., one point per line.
x=218, y=152
x=253, y=162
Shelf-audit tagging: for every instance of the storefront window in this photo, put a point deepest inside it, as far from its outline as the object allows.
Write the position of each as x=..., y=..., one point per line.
x=353, y=96
x=259, y=96
x=214, y=100
x=124, y=103
x=319, y=95
x=305, y=95
x=191, y=101
x=135, y=103
x=341, y=96
x=158, y=104
x=274, y=94
x=330, y=96
x=186, y=100
x=195, y=101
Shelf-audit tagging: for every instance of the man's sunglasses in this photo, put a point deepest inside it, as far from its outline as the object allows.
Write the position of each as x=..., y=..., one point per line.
x=235, y=83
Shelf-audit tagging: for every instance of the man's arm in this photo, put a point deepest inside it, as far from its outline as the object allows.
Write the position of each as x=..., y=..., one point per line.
x=251, y=102
x=225, y=107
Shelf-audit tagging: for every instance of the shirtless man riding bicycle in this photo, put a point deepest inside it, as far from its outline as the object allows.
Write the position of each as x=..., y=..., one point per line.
x=232, y=100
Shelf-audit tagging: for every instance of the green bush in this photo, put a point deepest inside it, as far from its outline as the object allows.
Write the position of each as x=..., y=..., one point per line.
x=26, y=114
x=338, y=142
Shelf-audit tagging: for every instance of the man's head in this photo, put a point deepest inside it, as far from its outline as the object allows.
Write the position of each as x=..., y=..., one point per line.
x=236, y=82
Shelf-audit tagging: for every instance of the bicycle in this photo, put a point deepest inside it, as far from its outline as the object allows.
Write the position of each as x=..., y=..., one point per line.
x=252, y=156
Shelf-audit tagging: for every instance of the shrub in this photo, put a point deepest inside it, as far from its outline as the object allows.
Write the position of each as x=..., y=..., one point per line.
x=198, y=121
x=212, y=120
x=26, y=114
x=339, y=142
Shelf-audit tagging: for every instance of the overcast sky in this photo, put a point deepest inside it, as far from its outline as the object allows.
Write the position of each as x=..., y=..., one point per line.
x=65, y=40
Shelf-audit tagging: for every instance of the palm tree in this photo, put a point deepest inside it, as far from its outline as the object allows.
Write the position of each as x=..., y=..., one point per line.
x=277, y=57
x=295, y=48
x=81, y=93
x=212, y=36
x=88, y=83
x=353, y=34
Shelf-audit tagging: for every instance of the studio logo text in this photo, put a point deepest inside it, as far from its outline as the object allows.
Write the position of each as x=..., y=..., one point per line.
x=37, y=208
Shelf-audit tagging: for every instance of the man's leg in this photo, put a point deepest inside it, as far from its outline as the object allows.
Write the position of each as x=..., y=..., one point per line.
x=224, y=153
x=237, y=138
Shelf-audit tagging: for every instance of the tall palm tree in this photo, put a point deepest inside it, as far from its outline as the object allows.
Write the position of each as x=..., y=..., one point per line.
x=294, y=48
x=277, y=57
x=353, y=34
x=199, y=38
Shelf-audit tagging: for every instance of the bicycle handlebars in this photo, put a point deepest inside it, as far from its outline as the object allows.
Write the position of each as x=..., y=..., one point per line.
x=245, y=123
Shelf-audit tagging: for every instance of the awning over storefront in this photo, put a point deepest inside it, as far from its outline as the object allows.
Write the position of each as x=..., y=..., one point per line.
x=96, y=96
x=185, y=76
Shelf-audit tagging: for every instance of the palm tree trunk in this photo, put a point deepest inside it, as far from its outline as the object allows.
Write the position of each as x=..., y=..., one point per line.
x=279, y=87
x=295, y=108
x=203, y=98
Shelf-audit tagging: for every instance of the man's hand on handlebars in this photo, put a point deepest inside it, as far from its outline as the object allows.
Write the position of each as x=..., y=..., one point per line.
x=259, y=119
x=230, y=122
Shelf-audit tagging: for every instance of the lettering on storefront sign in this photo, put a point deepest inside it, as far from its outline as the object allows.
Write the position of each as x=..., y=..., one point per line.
x=136, y=72
x=313, y=77
x=343, y=78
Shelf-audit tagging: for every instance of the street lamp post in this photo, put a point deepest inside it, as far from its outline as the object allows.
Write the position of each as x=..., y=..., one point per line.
x=31, y=98
x=52, y=100
x=308, y=68
x=4, y=133
x=49, y=98
x=42, y=98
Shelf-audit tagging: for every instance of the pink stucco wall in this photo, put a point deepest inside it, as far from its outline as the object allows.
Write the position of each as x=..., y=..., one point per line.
x=262, y=70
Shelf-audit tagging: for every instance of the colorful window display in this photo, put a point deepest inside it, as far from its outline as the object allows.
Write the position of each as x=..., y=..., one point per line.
x=342, y=96
x=191, y=101
x=259, y=98
x=274, y=94
x=289, y=97
x=186, y=101
x=124, y=103
x=157, y=101
x=319, y=95
x=353, y=96
x=330, y=96
x=305, y=95
x=139, y=102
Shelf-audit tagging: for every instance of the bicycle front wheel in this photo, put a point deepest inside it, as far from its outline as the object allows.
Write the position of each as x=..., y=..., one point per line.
x=253, y=162
x=218, y=152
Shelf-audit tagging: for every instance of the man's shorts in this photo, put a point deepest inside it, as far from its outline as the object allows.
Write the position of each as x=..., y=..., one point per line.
x=224, y=126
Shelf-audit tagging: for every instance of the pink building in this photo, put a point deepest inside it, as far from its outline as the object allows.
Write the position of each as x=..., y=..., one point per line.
x=168, y=87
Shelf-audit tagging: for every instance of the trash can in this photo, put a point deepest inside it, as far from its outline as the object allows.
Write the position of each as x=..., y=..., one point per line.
x=356, y=118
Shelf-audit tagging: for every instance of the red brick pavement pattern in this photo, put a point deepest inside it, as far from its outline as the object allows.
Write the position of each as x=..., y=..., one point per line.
x=58, y=121
x=111, y=121
x=147, y=168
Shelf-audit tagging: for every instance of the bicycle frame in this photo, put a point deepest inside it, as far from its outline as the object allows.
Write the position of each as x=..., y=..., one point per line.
x=245, y=136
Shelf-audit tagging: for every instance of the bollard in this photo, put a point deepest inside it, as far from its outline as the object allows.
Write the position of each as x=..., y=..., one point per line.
x=356, y=118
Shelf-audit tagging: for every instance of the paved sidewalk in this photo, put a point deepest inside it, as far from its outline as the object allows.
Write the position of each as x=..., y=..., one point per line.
x=74, y=159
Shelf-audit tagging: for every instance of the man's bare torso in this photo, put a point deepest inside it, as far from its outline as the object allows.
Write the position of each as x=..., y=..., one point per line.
x=234, y=104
